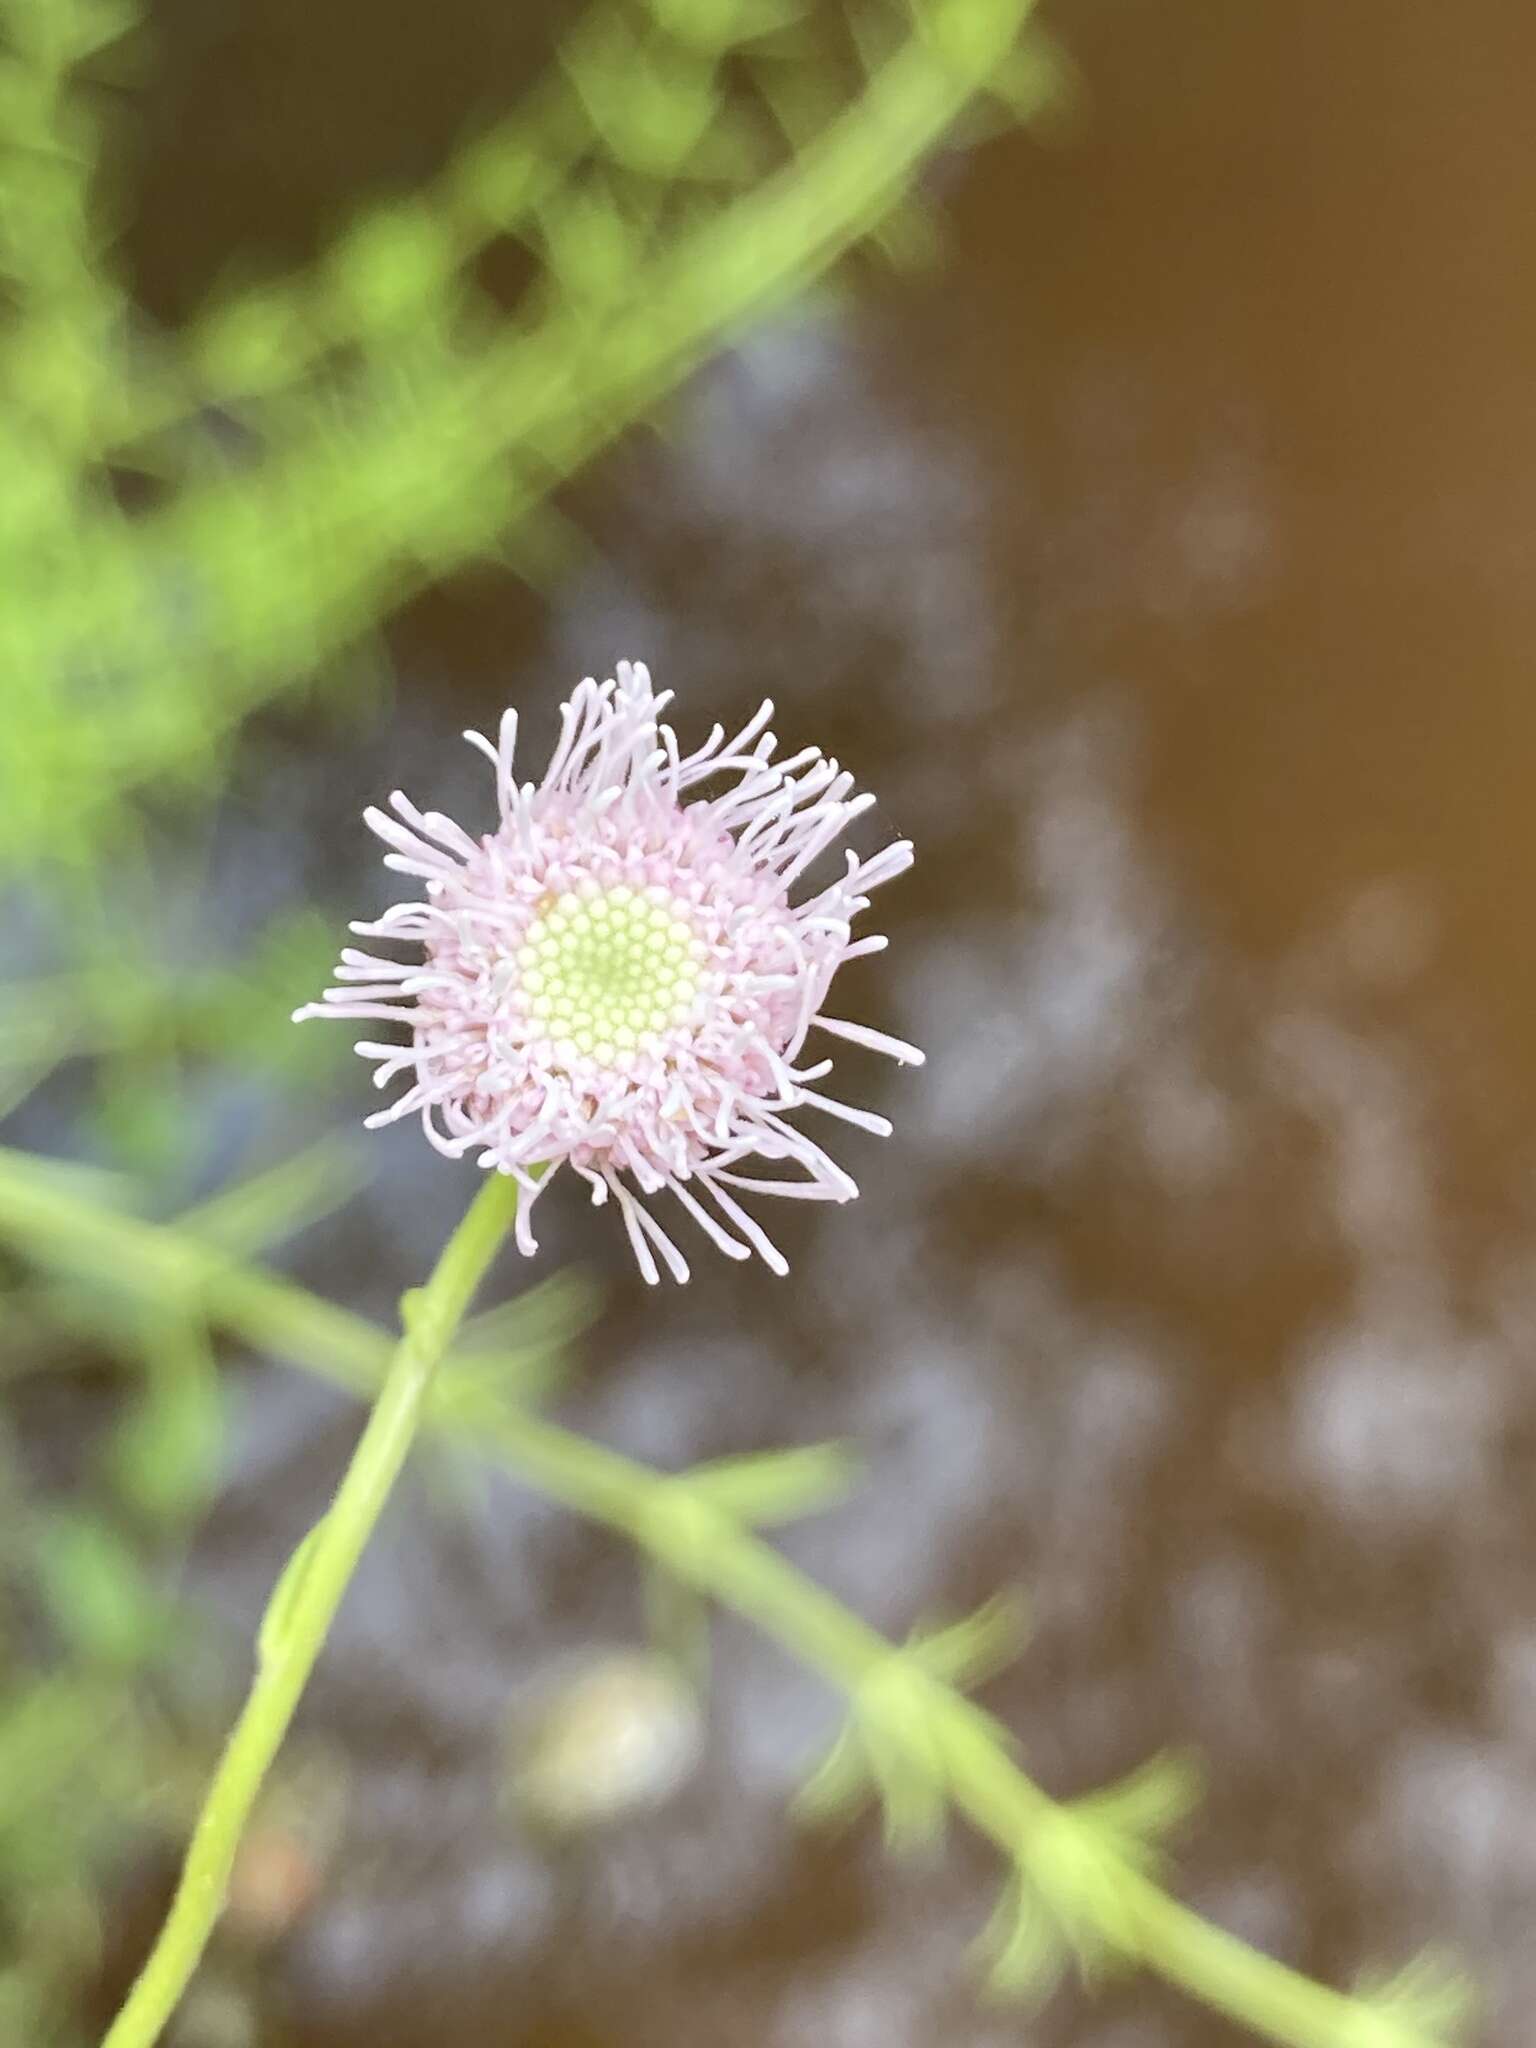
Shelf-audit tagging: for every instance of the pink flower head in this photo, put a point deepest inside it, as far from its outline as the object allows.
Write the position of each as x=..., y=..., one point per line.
x=616, y=979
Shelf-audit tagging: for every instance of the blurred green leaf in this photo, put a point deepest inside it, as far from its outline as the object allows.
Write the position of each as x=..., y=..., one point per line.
x=1431, y=1999
x=718, y=25
x=891, y=1748
x=767, y=1488
x=251, y=344
x=904, y=1733
x=1139, y=1812
x=967, y=1651
x=138, y=1116
x=1021, y=1952
x=264, y=1209
x=94, y=1588
x=164, y=1456
x=394, y=265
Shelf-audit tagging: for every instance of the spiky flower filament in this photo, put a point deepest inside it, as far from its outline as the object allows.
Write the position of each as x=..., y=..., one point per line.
x=616, y=978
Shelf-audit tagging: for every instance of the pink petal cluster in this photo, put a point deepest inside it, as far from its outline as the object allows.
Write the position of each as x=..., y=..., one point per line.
x=616, y=979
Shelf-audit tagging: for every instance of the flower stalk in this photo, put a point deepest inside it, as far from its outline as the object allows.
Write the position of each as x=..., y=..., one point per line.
x=303, y=1606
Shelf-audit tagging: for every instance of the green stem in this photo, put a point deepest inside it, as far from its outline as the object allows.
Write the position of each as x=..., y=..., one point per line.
x=740, y=1572
x=303, y=1606
x=58, y=1214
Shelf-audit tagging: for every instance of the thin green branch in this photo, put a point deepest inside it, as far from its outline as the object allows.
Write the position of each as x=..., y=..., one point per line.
x=688, y=1533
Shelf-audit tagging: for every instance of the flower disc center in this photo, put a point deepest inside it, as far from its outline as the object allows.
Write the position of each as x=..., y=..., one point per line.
x=603, y=970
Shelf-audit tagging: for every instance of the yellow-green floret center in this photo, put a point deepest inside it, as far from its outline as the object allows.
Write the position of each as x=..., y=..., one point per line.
x=606, y=970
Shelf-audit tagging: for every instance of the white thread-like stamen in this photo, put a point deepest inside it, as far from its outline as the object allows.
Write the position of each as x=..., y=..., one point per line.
x=616, y=978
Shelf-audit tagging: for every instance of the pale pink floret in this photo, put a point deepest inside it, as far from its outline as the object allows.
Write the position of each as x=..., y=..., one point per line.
x=613, y=830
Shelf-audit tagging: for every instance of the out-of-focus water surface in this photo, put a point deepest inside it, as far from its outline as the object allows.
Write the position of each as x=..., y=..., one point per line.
x=1163, y=560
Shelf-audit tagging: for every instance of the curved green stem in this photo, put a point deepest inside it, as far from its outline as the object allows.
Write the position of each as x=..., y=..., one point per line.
x=303, y=1606
x=56, y=1213
x=739, y=1571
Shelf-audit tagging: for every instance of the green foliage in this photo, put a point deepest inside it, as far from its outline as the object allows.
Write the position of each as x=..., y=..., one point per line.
x=1083, y=1882
x=756, y=1492
x=164, y=1455
x=100, y=1602
x=1429, y=1997
x=88, y=1752
x=1067, y=1900
x=94, y=1719
x=895, y=1743
x=395, y=422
